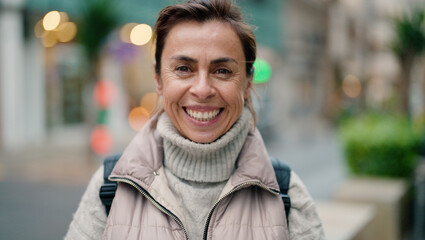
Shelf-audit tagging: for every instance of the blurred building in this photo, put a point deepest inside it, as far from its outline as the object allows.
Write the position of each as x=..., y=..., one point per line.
x=360, y=37
x=311, y=45
x=46, y=96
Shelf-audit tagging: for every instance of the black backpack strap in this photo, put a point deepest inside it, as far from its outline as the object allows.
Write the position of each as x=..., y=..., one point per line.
x=283, y=176
x=108, y=188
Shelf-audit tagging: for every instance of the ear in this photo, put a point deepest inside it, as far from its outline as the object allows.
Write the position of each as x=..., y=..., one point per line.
x=158, y=82
x=247, y=91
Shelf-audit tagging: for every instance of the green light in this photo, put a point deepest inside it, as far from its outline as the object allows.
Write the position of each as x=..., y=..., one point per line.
x=262, y=72
x=102, y=116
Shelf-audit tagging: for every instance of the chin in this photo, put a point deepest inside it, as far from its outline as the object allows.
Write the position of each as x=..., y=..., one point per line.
x=203, y=138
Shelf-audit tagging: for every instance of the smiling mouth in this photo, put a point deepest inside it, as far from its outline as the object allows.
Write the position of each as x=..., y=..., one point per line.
x=204, y=115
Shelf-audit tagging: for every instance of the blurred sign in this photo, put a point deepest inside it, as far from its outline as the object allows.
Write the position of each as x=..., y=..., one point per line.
x=262, y=71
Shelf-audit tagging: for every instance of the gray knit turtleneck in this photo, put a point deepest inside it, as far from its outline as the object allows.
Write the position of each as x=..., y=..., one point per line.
x=197, y=172
x=212, y=162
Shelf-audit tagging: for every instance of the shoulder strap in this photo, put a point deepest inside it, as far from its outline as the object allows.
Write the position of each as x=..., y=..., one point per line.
x=108, y=188
x=283, y=176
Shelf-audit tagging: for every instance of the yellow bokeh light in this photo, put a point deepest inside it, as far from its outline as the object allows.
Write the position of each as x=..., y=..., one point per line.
x=351, y=86
x=149, y=101
x=138, y=117
x=38, y=29
x=49, y=39
x=63, y=17
x=140, y=34
x=51, y=20
x=66, y=31
x=125, y=32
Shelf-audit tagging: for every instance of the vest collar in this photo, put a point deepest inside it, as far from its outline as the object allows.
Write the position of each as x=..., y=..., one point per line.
x=143, y=157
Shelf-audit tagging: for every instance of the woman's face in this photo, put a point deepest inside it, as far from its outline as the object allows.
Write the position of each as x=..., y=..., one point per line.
x=203, y=79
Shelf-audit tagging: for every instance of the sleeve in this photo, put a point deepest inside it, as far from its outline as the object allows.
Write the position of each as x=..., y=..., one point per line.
x=304, y=221
x=90, y=218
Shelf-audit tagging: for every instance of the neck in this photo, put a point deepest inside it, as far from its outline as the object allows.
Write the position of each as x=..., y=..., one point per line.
x=211, y=162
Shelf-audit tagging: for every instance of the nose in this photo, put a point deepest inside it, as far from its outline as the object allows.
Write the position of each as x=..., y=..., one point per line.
x=202, y=87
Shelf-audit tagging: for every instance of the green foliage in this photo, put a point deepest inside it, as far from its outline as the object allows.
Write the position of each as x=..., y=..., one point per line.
x=409, y=35
x=98, y=19
x=379, y=145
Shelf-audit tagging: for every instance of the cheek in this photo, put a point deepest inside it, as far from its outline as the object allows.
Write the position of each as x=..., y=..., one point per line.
x=173, y=91
x=170, y=96
x=233, y=95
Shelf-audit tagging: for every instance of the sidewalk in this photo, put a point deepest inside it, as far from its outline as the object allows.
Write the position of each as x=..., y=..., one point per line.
x=64, y=166
x=39, y=191
x=312, y=149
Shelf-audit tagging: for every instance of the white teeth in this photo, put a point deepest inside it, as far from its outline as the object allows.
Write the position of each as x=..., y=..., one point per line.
x=203, y=116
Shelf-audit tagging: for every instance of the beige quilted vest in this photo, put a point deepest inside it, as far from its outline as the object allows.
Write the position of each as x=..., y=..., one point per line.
x=144, y=207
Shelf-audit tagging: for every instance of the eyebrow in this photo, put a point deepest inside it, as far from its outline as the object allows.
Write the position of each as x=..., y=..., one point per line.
x=215, y=61
x=223, y=60
x=184, y=58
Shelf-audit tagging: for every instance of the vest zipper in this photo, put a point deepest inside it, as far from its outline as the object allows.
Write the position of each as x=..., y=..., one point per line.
x=236, y=188
x=154, y=202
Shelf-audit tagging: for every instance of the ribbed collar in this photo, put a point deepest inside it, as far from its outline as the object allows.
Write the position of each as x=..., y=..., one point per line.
x=211, y=162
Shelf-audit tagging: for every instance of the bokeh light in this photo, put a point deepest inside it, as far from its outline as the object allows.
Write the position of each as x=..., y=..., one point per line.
x=66, y=31
x=55, y=27
x=138, y=117
x=101, y=140
x=140, y=34
x=63, y=17
x=262, y=71
x=104, y=93
x=125, y=32
x=38, y=29
x=102, y=116
x=51, y=20
x=351, y=86
x=149, y=101
x=49, y=39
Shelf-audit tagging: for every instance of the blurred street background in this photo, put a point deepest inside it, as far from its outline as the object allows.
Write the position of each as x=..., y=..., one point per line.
x=77, y=83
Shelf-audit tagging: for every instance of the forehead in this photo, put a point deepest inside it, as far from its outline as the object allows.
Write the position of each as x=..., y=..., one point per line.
x=212, y=37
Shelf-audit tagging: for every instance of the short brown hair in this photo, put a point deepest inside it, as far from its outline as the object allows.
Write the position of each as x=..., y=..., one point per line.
x=203, y=11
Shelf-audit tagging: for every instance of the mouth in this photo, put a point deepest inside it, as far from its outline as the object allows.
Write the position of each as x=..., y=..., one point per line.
x=203, y=116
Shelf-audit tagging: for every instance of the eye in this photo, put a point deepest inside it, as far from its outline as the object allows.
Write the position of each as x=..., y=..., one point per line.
x=183, y=69
x=223, y=71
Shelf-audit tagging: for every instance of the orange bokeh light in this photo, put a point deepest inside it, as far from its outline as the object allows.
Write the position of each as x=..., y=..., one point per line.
x=104, y=93
x=351, y=86
x=101, y=140
x=138, y=117
x=149, y=101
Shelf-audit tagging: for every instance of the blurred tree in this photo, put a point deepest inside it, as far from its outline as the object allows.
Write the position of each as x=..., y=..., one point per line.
x=408, y=44
x=98, y=19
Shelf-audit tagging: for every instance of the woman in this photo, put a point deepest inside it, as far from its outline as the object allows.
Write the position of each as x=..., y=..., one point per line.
x=199, y=169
